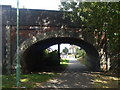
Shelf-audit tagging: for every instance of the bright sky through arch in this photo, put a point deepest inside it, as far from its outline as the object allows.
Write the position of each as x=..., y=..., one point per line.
x=62, y=46
x=34, y=4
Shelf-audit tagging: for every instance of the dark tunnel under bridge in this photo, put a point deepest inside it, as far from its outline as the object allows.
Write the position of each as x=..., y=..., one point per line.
x=92, y=53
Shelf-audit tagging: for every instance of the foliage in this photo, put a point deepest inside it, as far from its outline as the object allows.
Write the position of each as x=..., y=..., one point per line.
x=53, y=63
x=80, y=53
x=49, y=58
x=53, y=58
x=0, y=81
x=47, y=62
x=82, y=57
x=96, y=17
x=65, y=50
x=99, y=18
x=64, y=63
x=27, y=81
x=43, y=61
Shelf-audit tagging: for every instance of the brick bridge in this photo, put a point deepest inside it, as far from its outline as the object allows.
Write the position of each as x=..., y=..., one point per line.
x=40, y=29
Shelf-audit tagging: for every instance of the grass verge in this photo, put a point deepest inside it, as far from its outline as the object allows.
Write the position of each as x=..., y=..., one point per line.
x=31, y=80
x=27, y=81
x=0, y=82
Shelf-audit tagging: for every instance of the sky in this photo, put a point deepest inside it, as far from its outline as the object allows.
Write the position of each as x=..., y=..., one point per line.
x=40, y=4
x=33, y=4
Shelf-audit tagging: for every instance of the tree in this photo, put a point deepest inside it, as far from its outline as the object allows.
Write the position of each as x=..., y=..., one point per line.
x=65, y=50
x=80, y=53
x=99, y=18
x=96, y=17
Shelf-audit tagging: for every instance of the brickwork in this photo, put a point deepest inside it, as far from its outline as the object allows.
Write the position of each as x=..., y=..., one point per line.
x=38, y=25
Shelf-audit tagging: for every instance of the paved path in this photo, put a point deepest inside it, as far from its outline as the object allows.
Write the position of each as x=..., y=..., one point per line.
x=75, y=66
x=75, y=76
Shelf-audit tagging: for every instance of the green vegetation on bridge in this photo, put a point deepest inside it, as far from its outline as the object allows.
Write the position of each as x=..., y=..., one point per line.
x=101, y=20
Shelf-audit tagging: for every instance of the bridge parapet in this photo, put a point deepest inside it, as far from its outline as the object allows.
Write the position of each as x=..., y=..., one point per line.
x=36, y=17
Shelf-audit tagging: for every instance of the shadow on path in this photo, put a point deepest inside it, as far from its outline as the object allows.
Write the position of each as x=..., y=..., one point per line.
x=76, y=75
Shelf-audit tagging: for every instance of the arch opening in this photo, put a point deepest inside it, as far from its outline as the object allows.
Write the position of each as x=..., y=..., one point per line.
x=28, y=63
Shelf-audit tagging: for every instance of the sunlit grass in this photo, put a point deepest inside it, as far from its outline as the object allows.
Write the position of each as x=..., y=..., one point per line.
x=24, y=80
x=31, y=80
x=64, y=63
x=27, y=81
x=0, y=81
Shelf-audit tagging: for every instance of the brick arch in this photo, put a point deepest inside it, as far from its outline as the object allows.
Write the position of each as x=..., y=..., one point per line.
x=50, y=34
x=62, y=36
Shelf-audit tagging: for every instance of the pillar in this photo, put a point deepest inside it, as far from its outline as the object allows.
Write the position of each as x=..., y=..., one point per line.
x=59, y=52
x=6, y=61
